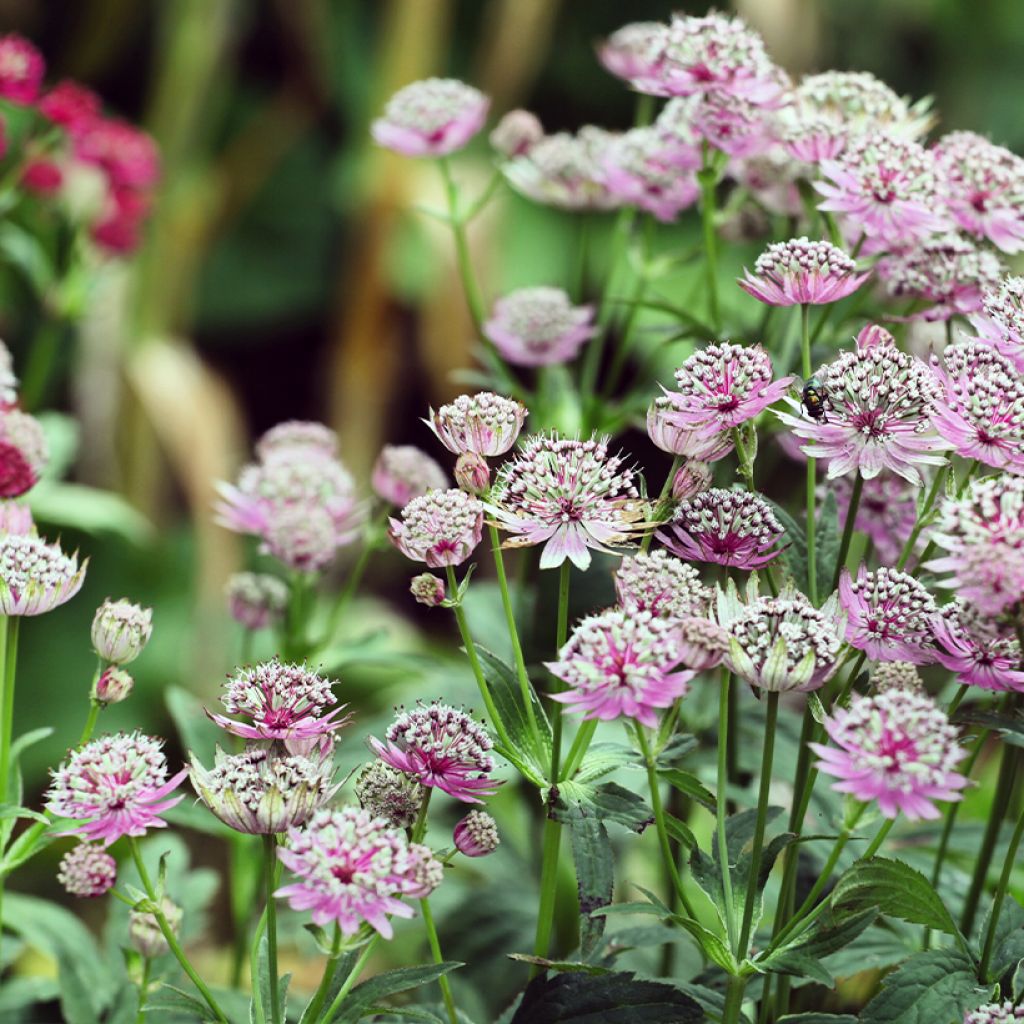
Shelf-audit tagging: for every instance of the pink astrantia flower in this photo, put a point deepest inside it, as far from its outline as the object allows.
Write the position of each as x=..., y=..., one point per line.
x=403, y=472
x=42, y=177
x=439, y=528
x=646, y=169
x=896, y=749
x=665, y=430
x=21, y=69
x=632, y=51
x=888, y=615
x=476, y=835
x=568, y=495
x=995, y=1013
x=1000, y=322
x=353, y=867
x=117, y=785
x=72, y=106
x=87, y=871
x=431, y=118
x=516, y=133
x=256, y=600
x=887, y=511
x=442, y=747
x=662, y=585
x=539, y=327
x=734, y=528
x=879, y=403
x=889, y=189
x=127, y=154
x=484, y=424
x=802, y=272
x=975, y=647
x=985, y=188
x=981, y=408
x=983, y=535
x=693, y=477
x=24, y=452
x=284, y=703
x=737, y=126
x=297, y=439
x=621, y=664
x=36, y=577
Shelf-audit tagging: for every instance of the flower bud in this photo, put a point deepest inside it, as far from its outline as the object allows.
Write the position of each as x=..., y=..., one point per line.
x=871, y=335
x=87, y=870
x=144, y=931
x=692, y=478
x=476, y=835
x=113, y=686
x=427, y=589
x=256, y=600
x=472, y=473
x=516, y=133
x=120, y=630
x=388, y=793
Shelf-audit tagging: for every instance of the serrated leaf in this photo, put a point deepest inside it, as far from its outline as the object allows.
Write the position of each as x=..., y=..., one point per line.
x=794, y=556
x=714, y=945
x=560, y=966
x=342, y=968
x=603, y=759
x=680, y=831
x=827, y=541
x=607, y=802
x=828, y=934
x=689, y=785
x=381, y=986
x=595, y=874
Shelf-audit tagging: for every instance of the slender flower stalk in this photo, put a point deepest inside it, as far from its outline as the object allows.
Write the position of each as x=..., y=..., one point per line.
x=707, y=178
x=1009, y=863
x=270, y=885
x=350, y=981
x=812, y=463
x=848, y=526
x=721, y=803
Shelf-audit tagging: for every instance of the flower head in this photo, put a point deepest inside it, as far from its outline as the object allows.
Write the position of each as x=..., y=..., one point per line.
x=71, y=105
x=120, y=630
x=260, y=793
x=24, y=452
x=427, y=589
x=484, y=424
x=632, y=52
x=646, y=169
x=282, y=702
x=303, y=539
x=621, y=663
x=539, y=327
x=87, y=870
x=878, y=413
x=802, y=272
x=297, y=439
x=144, y=932
x=568, y=495
x=995, y=1013
x=442, y=747
x=352, y=867
x=666, y=430
x=1000, y=323
x=888, y=615
x=256, y=600
x=739, y=127
x=662, y=585
x=895, y=675
x=403, y=472
x=127, y=155
x=476, y=835
x=439, y=528
x=895, y=748
x=725, y=527
x=431, y=118
x=974, y=647
x=21, y=69
x=703, y=643
x=388, y=793
x=36, y=577
x=116, y=785
x=516, y=133
x=887, y=511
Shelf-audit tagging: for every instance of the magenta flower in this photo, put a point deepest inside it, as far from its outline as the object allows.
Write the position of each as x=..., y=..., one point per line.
x=256, y=600
x=888, y=615
x=21, y=69
x=995, y=1013
x=633, y=51
x=879, y=403
x=484, y=424
x=442, y=747
x=896, y=749
x=975, y=647
x=734, y=528
x=36, y=577
x=71, y=105
x=737, y=126
x=1000, y=323
x=665, y=431
x=127, y=155
x=647, y=169
x=516, y=133
x=621, y=663
x=24, y=452
x=983, y=535
x=87, y=871
x=476, y=835
x=283, y=703
x=302, y=440
x=431, y=118
x=980, y=411
x=887, y=511
x=662, y=585
x=887, y=188
x=352, y=867
x=539, y=327
x=439, y=528
x=802, y=272
x=985, y=188
x=117, y=785
x=403, y=472
x=568, y=495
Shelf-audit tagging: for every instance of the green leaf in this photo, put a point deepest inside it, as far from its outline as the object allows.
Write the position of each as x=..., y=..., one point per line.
x=689, y=785
x=342, y=968
x=90, y=510
x=22, y=250
x=714, y=945
x=595, y=874
x=938, y=985
x=827, y=542
x=607, y=802
x=198, y=734
x=794, y=556
x=1008, y=947
x=680, y=831
x=818, y=1018
x=603, y=759
x=19, y=993
x=829, y=933
x=560, y=966
x=368, y=993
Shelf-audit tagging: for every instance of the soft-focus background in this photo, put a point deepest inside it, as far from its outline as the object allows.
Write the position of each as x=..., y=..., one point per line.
x=286, y=274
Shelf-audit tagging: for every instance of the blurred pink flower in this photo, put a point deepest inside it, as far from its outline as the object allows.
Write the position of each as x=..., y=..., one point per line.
x=539, y=327
x=516, y=133
x=71, y=105
x=1000, y=322
x=24, y=452
x=128, y=155
x=433, y=117
x=644, y=168
x=403, y=472
x=256, y=600
x=439, y=528
x=21, y=69
x=633, y=51
x=802, y=272
x=304, y=440
x=87, y=871
x=975, y=647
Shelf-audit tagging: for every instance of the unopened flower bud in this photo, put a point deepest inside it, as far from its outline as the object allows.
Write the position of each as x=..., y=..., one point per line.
x=15, y=518
x=692, y=478
x=895, y=675
x=256, y=600
x=144, y=931
x=87, y=871
x=113, y=686
x=388, y=793
x=476, y=835
x=871, y=336
x=427, y=589
x=516, y=133
x=120, y=630
x=472, y=473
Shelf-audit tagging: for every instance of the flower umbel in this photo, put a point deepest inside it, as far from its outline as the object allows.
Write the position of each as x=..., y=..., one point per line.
x=120, y=630
x=433, y=117
x=802, y=272
x=87, y=870
x=256, y=600
x=538, y=327
x=403, y=472
x=974, y=647
x=36, y=577
x=662, y=585
x=1000, y=323
x=484, y=424
x=439, y=528
x=388, y=793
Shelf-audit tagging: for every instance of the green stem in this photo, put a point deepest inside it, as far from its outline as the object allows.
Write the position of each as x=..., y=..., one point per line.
x=240, y=901
x=353, y=977
x=579, y=748
x=269, y=867
x=922, y=518
x=812, y=464
x=733, y=1009
x=90, y=723
x=745, y=465
x=316, y=1004
x=848, y=526
x=42, y=357
x=147, y=965
x=708, y=179
x=997, y=905
x=561, y=635
x=474, y=299
x=435, y=949
x=9, y=632
x=661, y=506
x=168, y=933
x=548, y=889
x=721, y=805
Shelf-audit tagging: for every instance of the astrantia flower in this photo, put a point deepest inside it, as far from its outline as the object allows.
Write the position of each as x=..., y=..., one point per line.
x=980, y=411
x=388, y=793
x=995, y=1013
x=888, y=615
x=633, y=51
x=896, y=749
x=895, y=675
x=516, y=133
x=737, y=126
x=983, y=535
x=802, y=272
x=113, y=685
x=660, y=584
x=352, y=867
x=126, y=153
x=985, y=188
x=439, y=528
x=36, y=577
x=539, y=327
x=568, y=495
x=476, y=835
x=281, y=702
x=974, y=647
x=297, y=439
x=403, y=472
x=23, y=452
x=431, y=118
x=692, y=477
x=725, y=527
x=644, y=169
x=442, y=747
x=301, y=538
x=772, y=177
x=485, y=424
x=256, y=600
x=886, y=188
x=621, y=664
x=1001, y=320
x=260, y=793
x=949, y=273
x=665, y=430
x=887, y=511
x=120, y=630
x=87, y=871
x=879, y=403
x=703, y=643
x=117, y=785
x=21, y=69
x=472, y=473
x=71, y=105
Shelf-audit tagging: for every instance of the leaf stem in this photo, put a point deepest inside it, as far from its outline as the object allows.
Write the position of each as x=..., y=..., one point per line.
x=353, y=977
x=435, y=948
x=721, y=804
x=1000, y=897
x=9, y=633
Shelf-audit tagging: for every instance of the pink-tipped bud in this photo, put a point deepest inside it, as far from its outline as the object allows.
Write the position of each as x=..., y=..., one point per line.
x=120, y=631
x=87, y=871
x=517, y=133
x=144, y=930
x=472, y=473
x=113, y=686
x=692, y=478
x=427, y=589
x=24, y=452
x=873, y=336
x=476, y=835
